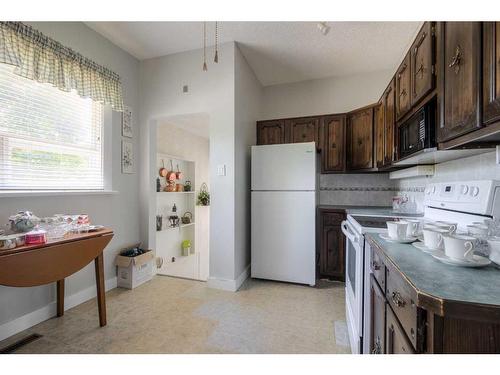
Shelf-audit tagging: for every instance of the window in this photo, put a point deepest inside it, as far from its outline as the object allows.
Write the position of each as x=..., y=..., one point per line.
x=49, y=139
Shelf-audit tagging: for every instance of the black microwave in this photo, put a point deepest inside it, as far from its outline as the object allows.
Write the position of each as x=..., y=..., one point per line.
x=419, y=131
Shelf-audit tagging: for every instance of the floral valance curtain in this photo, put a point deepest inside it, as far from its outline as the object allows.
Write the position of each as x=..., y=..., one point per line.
x=43, y=59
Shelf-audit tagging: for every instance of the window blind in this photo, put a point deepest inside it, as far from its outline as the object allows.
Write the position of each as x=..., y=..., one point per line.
x=49, y=139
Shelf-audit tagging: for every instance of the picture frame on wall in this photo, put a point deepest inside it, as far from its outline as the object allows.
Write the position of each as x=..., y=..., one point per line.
x=127, y=130
x=127, y=157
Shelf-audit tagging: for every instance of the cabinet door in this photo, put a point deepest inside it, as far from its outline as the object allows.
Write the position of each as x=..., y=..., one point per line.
x=422, y=63
x=333, y=144
x=271, y=132
x=396, y=341
x=379, y=119
x=389, y=123
x=331, y=257
x=491, y=72
x=460, y=72
x=403, y=83
x=377, y=315
x=360, y=140
x=303, y=129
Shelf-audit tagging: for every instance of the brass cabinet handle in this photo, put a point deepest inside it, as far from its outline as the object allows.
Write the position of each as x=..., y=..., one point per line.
x=398, y=300
x=403, y=93
x=455, y=61
x=420, y=70
x=375, y=266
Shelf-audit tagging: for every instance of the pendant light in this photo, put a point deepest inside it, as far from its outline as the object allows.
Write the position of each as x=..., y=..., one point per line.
x=205, y=47
x=216, y=57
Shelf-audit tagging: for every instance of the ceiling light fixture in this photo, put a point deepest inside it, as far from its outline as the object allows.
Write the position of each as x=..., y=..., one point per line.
x=323, y=28
x=216, y=57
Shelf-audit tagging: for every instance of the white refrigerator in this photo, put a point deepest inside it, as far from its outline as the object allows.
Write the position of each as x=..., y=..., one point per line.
x=284, y=212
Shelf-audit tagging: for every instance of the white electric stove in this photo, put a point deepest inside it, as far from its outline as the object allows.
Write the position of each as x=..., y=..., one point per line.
x=462, y=202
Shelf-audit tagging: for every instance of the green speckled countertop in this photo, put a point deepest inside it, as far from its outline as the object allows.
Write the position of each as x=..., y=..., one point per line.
x=431, y=277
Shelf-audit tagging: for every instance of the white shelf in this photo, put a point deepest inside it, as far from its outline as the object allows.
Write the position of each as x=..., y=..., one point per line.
x=179, y=227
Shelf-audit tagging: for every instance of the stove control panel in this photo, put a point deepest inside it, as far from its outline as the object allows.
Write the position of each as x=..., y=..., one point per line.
x=477, y=197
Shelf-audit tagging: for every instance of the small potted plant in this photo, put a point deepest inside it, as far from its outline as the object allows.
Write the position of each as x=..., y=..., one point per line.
x=204, y=196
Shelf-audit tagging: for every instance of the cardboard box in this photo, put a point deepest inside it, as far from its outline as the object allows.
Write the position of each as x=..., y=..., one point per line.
x=134, y=271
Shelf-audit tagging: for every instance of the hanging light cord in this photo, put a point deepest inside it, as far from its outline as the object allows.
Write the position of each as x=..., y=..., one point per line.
x=216, y=57
x=205, y=46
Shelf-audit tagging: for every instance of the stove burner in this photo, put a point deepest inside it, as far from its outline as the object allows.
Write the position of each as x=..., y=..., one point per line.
x=373, y=222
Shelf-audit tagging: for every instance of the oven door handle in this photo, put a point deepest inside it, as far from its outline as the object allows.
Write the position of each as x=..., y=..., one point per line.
x=348, y=232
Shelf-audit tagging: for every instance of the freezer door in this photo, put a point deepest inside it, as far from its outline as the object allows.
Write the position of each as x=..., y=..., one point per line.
x=283, y=236
x=284, y=167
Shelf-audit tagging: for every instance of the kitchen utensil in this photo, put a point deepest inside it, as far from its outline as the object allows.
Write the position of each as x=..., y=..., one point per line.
x=450, y=226
x=179, y=187
x=397, y=230
x=433, y=237
x=171, y=176
x=159, y=222
x=476, y=261
x=187, y=217
x=163, y=171
x=178, y=174
x=421, y=246
x=36, y=237
x=170, y=187
x=479, y=231
x=458, y=246
x=158, y=184
x=7, y=242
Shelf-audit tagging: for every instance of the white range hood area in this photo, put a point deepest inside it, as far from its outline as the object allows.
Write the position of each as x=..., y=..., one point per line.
x=435, y=156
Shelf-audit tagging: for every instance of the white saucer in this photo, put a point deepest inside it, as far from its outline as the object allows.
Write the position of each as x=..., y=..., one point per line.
x=477, y=260
x=421, y=246
x=404, y=240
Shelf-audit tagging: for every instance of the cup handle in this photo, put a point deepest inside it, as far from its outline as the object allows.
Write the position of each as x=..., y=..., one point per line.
x=453, y=228
x=440, y=241
x=470, y=250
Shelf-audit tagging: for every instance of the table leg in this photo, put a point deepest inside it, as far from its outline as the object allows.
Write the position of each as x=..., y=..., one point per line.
x=101, y=297
x=60, y=297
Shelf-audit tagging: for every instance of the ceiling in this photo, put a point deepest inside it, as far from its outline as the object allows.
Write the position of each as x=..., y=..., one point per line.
x=278, y=52
x=194, y=123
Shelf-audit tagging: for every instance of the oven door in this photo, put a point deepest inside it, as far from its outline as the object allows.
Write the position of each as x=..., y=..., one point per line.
x=354, y=285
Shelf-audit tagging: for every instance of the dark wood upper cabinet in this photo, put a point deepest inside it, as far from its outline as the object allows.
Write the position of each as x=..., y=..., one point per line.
x=331, y=245
x=491, y=72
x=403, y=87
x=360, y=139
x=303, y=129
x=377, y=315
x=271, y=132
x=333, y=144
x=388, y=100
x=379, y=119
x=422, y=63
x=460, y=91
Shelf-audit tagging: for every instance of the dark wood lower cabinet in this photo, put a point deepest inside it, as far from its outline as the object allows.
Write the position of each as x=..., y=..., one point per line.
x=405, y=321
x=378, y=313
x=331, y=245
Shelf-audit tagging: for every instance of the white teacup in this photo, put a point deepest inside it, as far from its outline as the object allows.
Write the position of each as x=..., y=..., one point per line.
x=494, y=243
x=433, y=237
x=451, y=227
x=478, y=230
x=413, y=227
x=397, y=229
x=459, y=246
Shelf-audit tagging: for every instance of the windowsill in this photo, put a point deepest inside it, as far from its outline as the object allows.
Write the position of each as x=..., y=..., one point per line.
x=54, y=193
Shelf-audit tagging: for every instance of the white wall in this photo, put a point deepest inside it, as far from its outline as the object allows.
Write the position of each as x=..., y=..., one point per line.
x=116, y=211
x=323, y=96
x=248, y=96
x=210, y=92
x=479, y=167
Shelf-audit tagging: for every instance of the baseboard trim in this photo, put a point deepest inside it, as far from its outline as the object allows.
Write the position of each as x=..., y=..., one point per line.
x=48, y=311
x=229, y=284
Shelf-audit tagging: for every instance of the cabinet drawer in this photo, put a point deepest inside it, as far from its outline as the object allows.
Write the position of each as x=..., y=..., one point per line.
x=378, y=268
x=402, y=299
x=332, y=218
x=396, y=340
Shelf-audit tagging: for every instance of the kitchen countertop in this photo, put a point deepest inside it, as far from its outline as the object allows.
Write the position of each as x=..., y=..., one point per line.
x=368, y=210
x=440, y=281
